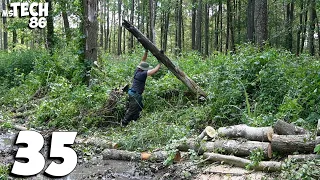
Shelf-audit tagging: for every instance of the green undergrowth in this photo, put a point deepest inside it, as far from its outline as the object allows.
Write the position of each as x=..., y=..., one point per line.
x=251, y=87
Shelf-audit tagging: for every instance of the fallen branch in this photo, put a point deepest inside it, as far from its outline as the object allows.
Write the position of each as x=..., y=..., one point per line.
x=234, y=147
x=147, y=44
x=288, y=144
x=283, y=128
x=18, y=127
x=270, y=166
x=157, y=156
x=247, y=132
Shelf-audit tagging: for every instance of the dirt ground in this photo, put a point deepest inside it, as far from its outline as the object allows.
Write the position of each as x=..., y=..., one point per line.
x=92, y=166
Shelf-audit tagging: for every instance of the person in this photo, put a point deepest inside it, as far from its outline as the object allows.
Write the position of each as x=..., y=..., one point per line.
x=135, y=105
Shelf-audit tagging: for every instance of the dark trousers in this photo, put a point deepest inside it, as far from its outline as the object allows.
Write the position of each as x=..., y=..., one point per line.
x=134, y=107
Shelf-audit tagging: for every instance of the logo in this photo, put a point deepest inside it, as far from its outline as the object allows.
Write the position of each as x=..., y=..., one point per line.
x=36, y=11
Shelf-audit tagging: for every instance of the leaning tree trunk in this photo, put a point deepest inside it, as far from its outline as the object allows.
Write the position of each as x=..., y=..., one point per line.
x=147, y=44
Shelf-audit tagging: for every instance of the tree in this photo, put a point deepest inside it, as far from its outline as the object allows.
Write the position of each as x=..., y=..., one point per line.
x=261, y=21
x=119, y=26
x=5, y=33
x=50, y=28
x=90, y=31
x=250, y=20
x=199, y=27
x=312, y=27
x=289, y=21
x=193, y=24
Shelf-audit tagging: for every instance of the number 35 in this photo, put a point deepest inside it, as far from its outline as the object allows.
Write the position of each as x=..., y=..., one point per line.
x=36, y=162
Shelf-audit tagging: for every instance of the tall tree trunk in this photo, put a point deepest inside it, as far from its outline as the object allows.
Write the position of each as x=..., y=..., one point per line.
x=119, y=26
x=151, y=21
x=206, y=31
x=312, y=27
x=304, y=29
x=261, y=22
x=50, y=28
x=193, y=25
x=199, y=27
x=300, y=27
x=220, y=30
x=166, y=30
x=107, y=29
x=178, y=26
x=228, y=24
x=14, y=38
x=90, y=30
x=250, y=20
x=132, y=21
x=289, y=21
x=5, y=31
x=101, y=22
x=66, y=25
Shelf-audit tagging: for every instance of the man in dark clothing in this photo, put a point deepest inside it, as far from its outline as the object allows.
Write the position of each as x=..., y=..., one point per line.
x=134, y=106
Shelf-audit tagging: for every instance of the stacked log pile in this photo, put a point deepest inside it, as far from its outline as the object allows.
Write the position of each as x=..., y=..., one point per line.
x=233, y=144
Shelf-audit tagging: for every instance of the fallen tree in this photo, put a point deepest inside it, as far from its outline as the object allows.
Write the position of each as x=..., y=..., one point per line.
x=288, y=144
x=147, y=44
x=157, y=156
x=283, y=128
x=269, y=166
x=237, y=148
x=244, y=131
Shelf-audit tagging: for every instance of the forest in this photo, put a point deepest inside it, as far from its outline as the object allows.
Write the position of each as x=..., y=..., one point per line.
x=245, y=65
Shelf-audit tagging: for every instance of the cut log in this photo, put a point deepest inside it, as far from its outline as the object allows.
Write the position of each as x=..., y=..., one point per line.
x=283, y=128
x=19, y=128
x=318, y=128
x=304, y=157
x=157, y=156
x=234, y=147
x=247, y=132
x=287, y=144
x=270, y=166
x=209, y=132
x=147, y=44
x=98, y=142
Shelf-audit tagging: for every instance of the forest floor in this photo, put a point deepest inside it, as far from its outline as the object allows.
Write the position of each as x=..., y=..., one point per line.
x=92, y=166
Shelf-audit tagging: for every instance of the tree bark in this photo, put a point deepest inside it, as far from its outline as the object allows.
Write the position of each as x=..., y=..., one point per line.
x=287, y=144
x=206, y=31
x=66, y=25
x=270, y=166
x=147, y=44
x=50, y=29
x=283, y=128
x=300, y=27
x=14, y=38
x=250, y=20
x=132, y=21
x=157, y=156
x=312, y=27
x=261, y=22
x=119, y=27
x=5, y=30
x=90, y=30
x=234, y=147
x=193, y=25
x=199, y=27
x=244, y=131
